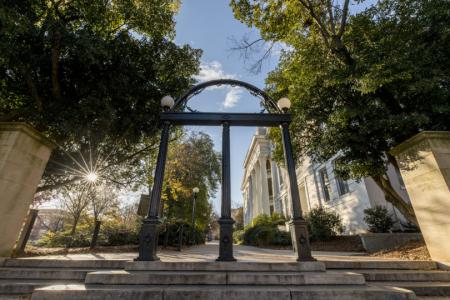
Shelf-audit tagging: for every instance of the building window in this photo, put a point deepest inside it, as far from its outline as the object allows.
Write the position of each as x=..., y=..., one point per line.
x=280, y=176
x=325, y=184
x=268, y=168
x=341, y=183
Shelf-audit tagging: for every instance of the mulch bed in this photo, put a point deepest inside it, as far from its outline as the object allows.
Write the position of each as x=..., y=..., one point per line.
x=40, y=251
x=408, y=251
x=342, y=243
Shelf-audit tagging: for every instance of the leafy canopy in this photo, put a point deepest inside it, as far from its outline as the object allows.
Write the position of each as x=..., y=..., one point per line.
x=191, y=162
x=90, y=74
x=361, y=84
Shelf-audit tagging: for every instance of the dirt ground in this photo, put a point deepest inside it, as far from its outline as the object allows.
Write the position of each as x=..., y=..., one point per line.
x=40, y=251
x=409, y=251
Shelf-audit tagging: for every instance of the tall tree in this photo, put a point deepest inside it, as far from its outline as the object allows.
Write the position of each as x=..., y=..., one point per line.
x=395, y=84
x=90, y=74
x=75, y=200
x=103, y=199
x=192, y=162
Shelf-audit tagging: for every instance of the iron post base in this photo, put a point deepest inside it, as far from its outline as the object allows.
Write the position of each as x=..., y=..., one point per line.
x=300, y=239
x=226, y=240
x=148, y=239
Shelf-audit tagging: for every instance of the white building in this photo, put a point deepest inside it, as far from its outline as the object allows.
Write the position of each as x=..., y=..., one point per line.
x=264, y=188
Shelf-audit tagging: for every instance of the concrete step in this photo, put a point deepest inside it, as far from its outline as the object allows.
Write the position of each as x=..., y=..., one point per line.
x=404, y=275
x=15, y=297
x=27, y=286
x=222, y=278
x=75, y=292
x=421, y=288
x=309, y=266
x=432, y=298
x=44, y=273
x=381, y=264
x=64, y=263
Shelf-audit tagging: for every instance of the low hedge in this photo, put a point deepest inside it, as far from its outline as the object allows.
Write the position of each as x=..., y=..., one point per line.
x=263, y=231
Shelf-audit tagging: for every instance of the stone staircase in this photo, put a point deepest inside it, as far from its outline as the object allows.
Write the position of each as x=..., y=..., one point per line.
x=422, y=277
x=118, y=279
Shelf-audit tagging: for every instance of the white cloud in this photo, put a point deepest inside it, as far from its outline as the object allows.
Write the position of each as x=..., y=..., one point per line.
x=232, y=97
x=211, y=71
x=214, y=70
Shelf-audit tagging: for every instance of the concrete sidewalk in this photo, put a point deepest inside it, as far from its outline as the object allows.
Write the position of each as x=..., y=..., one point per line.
x=210, y=251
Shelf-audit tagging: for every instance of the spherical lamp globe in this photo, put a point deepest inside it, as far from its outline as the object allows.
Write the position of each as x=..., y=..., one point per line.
x=167, y=102
x=284, y=104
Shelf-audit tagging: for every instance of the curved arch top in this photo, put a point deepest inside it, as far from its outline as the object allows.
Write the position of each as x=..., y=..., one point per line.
x=268, y=103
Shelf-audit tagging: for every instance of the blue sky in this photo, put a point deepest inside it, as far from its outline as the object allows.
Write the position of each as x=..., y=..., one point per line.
x=209, y=25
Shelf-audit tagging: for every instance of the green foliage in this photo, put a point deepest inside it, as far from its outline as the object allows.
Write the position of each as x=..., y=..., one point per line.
x=263, y=231
x=238, y=218
x=90, y=75
x=114, y=231
x=378, y=219
x=81, y=238
x=362, y=92
x=192, y=162
x=238, y=236
x=323, y=224
x=170, y=232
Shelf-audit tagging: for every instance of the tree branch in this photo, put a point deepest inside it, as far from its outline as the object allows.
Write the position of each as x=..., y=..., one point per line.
x=56, y=49
x=343, y=19
x=331, y=17
x=48, y=187
x=33, y=90
x=322, y=28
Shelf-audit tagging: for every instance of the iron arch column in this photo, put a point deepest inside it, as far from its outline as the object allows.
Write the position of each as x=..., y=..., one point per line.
x=148, y=237
x=298, y=225
x=225, y=221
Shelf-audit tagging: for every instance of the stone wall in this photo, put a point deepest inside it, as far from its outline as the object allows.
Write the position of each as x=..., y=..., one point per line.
x=23, y=156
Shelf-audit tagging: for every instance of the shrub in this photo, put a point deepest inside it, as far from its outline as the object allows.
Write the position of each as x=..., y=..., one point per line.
x=263, y=231
x=169, y=234
x=81, y=238
x=117, y=234
x=238, y=236
x=112, y=233
x=323, y=224
x=378, y=219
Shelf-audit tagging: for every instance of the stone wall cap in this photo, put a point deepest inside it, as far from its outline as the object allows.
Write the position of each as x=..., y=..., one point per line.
x=29, y=130
x=417, y=139
x=390, y=234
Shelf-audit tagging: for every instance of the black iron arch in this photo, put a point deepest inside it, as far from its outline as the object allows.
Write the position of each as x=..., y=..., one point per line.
x=177, y=116
x=268, y=103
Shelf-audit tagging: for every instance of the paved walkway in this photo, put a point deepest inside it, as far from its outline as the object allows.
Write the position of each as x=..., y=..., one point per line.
x=210, y=251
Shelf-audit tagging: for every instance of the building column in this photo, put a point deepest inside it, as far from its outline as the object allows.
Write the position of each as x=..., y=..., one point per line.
x=275, y=188
x=265, y=205
x=257, y=199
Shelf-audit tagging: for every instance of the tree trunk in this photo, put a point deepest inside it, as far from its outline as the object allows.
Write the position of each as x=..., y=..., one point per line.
x=74, y=225
x=72, y=231
x=95, y=234
x=340, y=50
x=395, y=199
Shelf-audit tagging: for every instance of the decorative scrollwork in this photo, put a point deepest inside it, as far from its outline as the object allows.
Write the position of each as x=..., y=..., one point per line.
x=267, y=102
